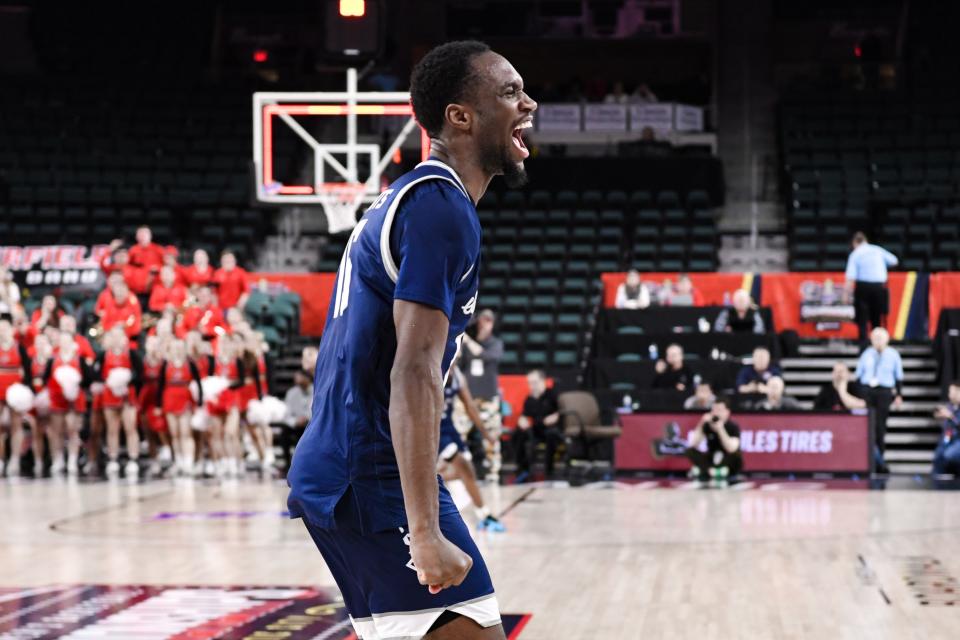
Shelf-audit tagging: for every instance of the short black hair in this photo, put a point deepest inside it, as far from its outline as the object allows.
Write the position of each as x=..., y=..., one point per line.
x=725, y=399
x=441, y=78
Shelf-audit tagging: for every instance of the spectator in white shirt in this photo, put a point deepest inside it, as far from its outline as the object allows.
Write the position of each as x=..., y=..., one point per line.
x=9, y=292
x=633, y=294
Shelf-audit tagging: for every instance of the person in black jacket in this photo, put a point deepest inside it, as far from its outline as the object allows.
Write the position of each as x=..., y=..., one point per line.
x=673, y=374
x=539, y=422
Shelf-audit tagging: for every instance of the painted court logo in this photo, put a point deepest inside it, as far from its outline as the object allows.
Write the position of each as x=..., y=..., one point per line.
x=180, y=613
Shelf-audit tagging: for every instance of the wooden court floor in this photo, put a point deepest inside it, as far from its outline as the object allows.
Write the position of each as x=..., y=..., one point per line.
x=782, y=561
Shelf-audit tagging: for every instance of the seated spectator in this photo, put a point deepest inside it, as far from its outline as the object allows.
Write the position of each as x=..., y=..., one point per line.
x=702, y=399
x=200, y=273
x=643, y=95
x=118, y=261
x=539, y=422
x=205, y=316
x=742, y=317
x=753, y=377
x=233, y=285
x=146, y=254
x=946, y=458
x=617, y=95
x=674, y=374
x=633, y=294
x=722, y=458
x=9, y=293
x=840, y=394
x=121, y=308
x=684, y=294
x=299, y=399
x=308, y=360
x=776, y=400
x=167, y=294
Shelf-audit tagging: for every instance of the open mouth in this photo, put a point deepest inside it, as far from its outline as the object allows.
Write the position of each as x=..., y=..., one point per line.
x=518, y=138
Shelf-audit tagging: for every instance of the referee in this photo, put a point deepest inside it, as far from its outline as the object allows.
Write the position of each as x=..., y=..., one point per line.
x=867, y=276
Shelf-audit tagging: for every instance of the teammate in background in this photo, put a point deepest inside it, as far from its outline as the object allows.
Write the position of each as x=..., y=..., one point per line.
x=39, y=417
x=176, y=374
x=14, y=369
x=454, y=453
x=68, y=403
x=364, y=474
x=150, y=411
x=120, y=405
x=232, y=282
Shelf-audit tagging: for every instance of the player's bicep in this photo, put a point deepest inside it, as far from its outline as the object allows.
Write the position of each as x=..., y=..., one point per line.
x=421, y=335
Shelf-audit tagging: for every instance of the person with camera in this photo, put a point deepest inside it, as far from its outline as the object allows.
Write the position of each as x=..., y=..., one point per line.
x=722, y=458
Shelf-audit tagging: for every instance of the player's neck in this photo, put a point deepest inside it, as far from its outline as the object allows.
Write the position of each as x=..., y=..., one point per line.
x=474, y=178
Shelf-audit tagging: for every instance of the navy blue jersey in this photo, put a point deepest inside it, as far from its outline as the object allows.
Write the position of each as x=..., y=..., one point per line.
x=450, y=391
x=419, y=241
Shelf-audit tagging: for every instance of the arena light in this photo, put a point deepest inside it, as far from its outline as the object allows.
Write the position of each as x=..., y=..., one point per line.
x=353, y=8
x=261, y=55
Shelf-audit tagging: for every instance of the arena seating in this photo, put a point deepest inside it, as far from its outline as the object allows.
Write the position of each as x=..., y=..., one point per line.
x=880, y=165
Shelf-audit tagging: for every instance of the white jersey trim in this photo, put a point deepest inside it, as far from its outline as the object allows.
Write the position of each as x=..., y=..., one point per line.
x=413, y=625
x=386, y=255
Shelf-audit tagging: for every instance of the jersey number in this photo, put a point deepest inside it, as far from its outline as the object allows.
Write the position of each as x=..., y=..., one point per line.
x=345, y=272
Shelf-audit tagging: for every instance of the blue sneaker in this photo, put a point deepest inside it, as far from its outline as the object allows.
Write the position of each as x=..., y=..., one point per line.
x=521, y=477
x=491, y=524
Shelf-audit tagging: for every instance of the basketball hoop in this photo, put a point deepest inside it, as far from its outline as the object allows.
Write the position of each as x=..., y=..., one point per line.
x=340, y=202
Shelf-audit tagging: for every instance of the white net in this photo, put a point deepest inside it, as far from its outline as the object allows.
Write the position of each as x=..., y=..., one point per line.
x=340, y=202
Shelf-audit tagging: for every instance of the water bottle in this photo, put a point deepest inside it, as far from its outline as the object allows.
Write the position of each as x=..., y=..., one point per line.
x=654, y=353
x=704, y=325
x=627, y=404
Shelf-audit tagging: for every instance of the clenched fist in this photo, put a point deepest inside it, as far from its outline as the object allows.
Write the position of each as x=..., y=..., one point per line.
x=440, y=563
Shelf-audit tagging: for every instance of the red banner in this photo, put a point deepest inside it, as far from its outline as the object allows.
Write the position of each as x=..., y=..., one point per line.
x=944, y=292
x=812, y=304
x=712, y=286
x=789, y=442
x=315, y=290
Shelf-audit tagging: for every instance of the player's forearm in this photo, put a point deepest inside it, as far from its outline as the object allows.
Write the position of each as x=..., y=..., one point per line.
x=416, y=399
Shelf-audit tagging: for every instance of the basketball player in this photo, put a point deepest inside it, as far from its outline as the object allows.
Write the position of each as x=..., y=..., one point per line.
x=14, y=369
x=363, y=476
x=454, y=454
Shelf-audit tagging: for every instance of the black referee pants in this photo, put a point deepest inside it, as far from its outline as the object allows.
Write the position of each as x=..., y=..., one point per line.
x=870, y=301
x=879, y=399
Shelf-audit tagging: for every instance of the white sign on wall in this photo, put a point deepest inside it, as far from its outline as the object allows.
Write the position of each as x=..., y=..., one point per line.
x=657, y=115
x=558, y=117
x=605, y=117
x=688, y=118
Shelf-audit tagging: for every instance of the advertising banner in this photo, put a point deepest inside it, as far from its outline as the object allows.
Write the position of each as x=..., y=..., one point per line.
x=38, y=269
x=788, y=442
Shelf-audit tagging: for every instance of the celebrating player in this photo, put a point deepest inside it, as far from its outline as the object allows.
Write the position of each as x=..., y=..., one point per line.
x=363, y=476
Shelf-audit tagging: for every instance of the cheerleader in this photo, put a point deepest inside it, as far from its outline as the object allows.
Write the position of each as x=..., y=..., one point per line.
x=120, y=371
x=14, y=370
x=64, y=376
x=176, y=373
x=224, y=411
x=39, y=417
x=258, y=421
x=148, y=402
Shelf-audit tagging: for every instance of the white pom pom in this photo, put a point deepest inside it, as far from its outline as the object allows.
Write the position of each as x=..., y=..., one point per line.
x=118, y=380
x=69, y=380
x=19, y=397
x=199, y=420
x=276, y=408
x=257, y=413
x=213, y=386
x=41, y=403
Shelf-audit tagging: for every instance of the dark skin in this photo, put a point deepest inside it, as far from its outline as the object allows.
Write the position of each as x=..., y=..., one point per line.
x=485, y=119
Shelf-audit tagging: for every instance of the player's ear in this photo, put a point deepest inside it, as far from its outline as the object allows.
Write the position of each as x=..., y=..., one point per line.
x=459, y=117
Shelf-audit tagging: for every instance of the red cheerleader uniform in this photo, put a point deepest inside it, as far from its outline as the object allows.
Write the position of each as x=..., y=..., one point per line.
x=250, y=390
x=227, y=399
x=37, y=370
x=59, y=402
x=12, y=364
x=176, y=388
x=113, y=361
x=149, y=399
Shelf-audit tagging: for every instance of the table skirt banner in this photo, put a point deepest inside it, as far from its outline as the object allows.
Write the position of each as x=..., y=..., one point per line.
x=813, y=305
x=944, y=292
x=773, y=442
